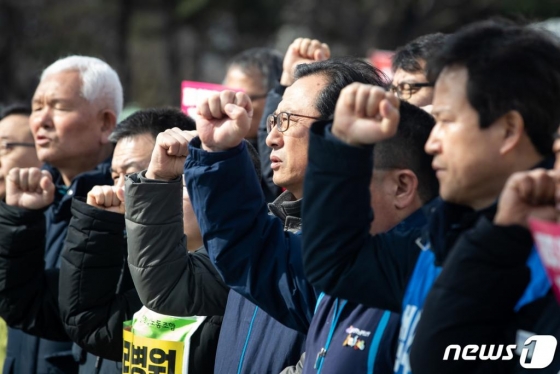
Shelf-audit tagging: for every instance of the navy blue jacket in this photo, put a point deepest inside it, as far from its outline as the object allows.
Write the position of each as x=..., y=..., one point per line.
x=350, y=337
x=217, y=183
x=259, y=256
x=392, y=271
x=29, y=298
x=253, y=342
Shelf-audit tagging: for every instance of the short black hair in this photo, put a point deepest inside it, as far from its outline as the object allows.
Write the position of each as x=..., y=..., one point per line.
x=510, y=67
x=407, y=57
x=340, y=72
x=151, y=121
x=266, y=61
x=406, y=150
x=15, y=108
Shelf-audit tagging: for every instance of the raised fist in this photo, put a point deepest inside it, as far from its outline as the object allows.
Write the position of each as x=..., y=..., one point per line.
x=30, y=188
x=224, y=120
x=302, y=51
x=365, y=115
x=532, y=193
x=110, y=198
x=169, y=154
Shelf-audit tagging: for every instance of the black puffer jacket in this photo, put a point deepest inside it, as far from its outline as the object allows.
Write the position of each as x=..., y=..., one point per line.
x=158, y=255
x=29, y=295
x=30, y=242
x=97, y=294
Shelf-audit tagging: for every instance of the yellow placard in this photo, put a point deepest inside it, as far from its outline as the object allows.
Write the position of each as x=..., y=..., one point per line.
x=151, y=356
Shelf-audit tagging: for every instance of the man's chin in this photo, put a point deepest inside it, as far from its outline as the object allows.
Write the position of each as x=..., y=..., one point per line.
x=47, y=158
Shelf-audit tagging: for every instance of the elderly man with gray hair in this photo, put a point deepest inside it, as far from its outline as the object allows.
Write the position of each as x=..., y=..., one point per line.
x=74, y=110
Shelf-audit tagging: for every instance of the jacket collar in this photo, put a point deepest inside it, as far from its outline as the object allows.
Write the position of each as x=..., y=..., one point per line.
x=288, y=209
x=418, y=219
x=447, y=221
x=81, y=184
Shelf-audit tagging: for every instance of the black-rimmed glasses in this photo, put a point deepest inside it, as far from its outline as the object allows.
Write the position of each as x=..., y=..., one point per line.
x=282, y=121
x=405, y=90
x=6, y=147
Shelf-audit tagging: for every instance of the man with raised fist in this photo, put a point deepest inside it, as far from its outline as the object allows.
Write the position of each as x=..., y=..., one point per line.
x=74, y=110
x=491, y=121
x=96, y=292
x=173, y=281
x=258, y=253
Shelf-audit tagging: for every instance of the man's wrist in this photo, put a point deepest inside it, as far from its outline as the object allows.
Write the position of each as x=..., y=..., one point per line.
x=150, y=174
x=286, y=79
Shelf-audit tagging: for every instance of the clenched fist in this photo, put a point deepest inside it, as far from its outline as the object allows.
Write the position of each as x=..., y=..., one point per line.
x=224, y=120
x=527, y=194
x=365, y=115
x=169, y=154
x=110, y=198
x=302, y=51
x=30, y=188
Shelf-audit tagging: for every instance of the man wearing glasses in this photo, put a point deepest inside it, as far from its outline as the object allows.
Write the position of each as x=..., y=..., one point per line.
x=253, y=244
x=17, y=148
x=409, y=62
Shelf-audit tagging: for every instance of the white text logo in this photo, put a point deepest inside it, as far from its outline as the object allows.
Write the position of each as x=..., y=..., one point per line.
x=537, y=353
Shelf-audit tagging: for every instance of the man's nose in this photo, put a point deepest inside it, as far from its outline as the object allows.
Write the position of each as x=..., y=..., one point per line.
x=41, y=118
x=274, y=138
x=433, y=144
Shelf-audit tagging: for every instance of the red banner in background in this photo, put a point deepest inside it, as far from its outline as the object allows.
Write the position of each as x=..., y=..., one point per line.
x=547, y=239
x=193, y=92
x=381, y=59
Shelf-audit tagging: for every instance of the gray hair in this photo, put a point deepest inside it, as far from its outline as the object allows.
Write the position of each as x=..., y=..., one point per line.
x=99, y=80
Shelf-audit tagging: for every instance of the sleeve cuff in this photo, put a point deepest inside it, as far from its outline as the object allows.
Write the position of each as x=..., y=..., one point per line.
x=112, y=218
x=202, y=157
x=12, y=214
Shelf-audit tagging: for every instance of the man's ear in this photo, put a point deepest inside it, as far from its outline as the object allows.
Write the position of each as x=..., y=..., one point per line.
x=512, y=128
x=406, y=194
x=108, y=123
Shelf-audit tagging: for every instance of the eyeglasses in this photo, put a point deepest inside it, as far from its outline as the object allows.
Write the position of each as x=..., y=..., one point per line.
x=282, y=121
x=7, y=147
x=405, y=90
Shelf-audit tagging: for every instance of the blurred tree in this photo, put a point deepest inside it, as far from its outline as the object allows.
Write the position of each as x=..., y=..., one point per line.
x=154, y=44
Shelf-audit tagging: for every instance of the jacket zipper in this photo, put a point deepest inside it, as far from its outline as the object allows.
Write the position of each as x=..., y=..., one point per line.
x=323, y=351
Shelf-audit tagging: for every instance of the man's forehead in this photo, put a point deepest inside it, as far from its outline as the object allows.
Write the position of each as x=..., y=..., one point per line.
x=403, y=76
x=450, y=89
x=238, y=79
x=301, y=96
x=14, y=124
x=66, y=84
